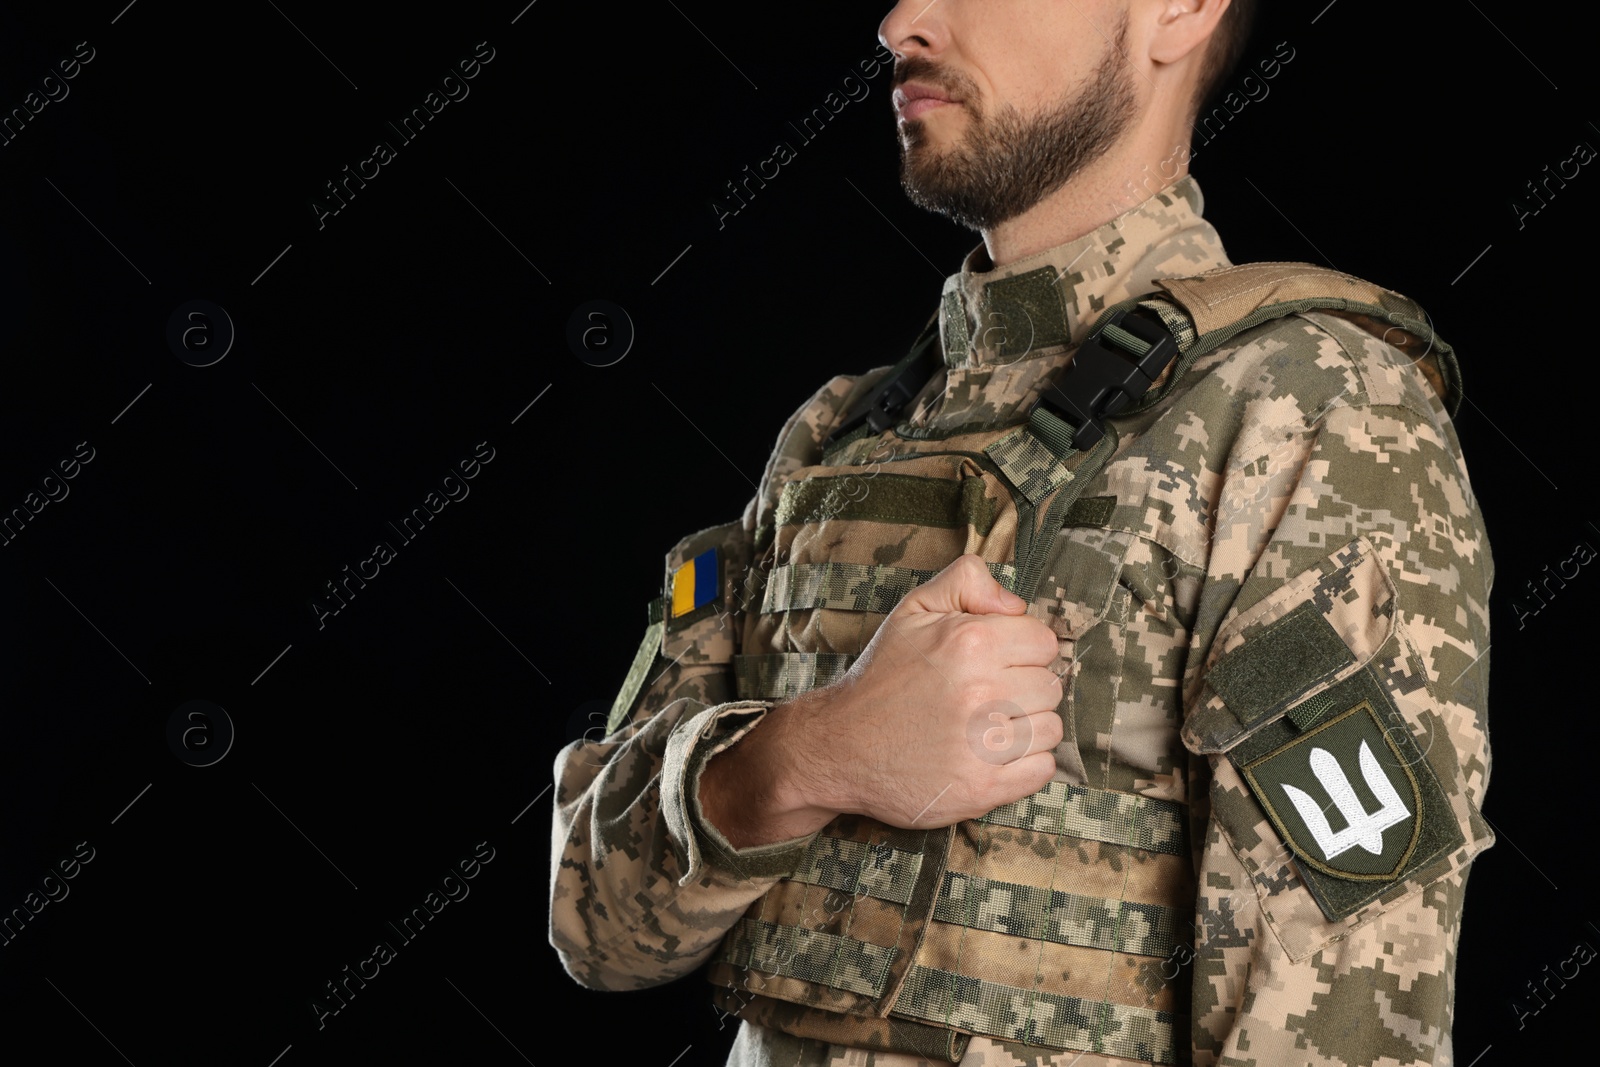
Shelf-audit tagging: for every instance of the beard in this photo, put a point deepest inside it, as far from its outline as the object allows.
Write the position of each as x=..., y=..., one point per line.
x=1007, y=163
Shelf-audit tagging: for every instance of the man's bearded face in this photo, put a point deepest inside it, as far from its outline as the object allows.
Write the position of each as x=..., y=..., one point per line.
x=1006, y=162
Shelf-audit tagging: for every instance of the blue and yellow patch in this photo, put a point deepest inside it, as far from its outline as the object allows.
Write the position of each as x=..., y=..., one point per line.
x=694, y=585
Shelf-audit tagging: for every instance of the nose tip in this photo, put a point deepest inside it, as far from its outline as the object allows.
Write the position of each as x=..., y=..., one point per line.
x=909, y=29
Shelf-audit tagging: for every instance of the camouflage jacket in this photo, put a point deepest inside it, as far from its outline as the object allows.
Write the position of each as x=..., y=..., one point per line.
x=1272, y=602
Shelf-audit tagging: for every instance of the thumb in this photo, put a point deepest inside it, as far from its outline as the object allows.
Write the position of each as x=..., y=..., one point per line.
x=966, y=586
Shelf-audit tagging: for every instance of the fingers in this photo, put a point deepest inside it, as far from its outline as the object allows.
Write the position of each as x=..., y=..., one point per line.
x=1047, y=732
x=999, y=736
x=1022, y=641
x=965, y=586
x=1028, y=775
x=1032, y=690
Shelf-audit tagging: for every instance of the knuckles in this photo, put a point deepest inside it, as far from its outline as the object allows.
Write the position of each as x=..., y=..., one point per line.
x=1048, y=649
x=970, y=567
x=970, y=640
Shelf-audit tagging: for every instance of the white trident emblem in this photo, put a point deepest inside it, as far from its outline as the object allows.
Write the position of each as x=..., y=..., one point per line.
x=1364, y=828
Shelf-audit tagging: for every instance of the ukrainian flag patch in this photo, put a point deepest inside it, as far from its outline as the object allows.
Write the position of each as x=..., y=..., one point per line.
x=694, y=585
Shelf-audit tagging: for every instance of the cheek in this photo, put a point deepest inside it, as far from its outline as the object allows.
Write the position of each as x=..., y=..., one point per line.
x=1040, y=79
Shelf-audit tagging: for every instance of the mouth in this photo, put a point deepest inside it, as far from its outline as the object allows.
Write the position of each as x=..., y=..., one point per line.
x=912, y=101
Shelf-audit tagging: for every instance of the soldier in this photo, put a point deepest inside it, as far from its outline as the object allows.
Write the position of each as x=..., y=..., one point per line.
x=1104, y=683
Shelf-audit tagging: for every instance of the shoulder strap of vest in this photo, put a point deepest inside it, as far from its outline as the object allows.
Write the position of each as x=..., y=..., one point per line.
x=1221, y=304
x=1133, y=342
x=881, y=408
x=1115, y=369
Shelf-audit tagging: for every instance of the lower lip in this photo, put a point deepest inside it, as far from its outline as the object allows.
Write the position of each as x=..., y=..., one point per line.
x=920, y=106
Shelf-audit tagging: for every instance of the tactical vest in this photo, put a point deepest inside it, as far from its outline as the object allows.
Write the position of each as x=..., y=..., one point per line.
x=1054, y=921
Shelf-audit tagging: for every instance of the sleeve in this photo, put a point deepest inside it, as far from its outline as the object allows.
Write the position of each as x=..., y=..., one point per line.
x=1340, y=710
x=642, y=887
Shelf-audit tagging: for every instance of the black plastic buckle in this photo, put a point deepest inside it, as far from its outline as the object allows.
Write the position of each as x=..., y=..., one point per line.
x=1104, y=378
x=883, y=407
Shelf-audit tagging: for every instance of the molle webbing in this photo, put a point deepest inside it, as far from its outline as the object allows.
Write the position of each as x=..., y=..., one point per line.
x=1062, y=917
x=1048, y=1019
x=850, y=586
x=1056, y=926
x=924, y=998
x=1114, y=818
x=889, y=870
x=829, y=586
x=876, y=869
x=785, y=675
x=811, y=955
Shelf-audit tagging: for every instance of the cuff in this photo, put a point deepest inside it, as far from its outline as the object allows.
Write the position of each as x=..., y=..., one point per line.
x=689, y=748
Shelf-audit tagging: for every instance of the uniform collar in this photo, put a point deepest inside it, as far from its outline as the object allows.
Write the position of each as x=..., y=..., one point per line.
x=1047, y=301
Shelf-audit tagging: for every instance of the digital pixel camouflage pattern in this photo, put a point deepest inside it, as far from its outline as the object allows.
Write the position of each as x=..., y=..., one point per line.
x=1270, y=586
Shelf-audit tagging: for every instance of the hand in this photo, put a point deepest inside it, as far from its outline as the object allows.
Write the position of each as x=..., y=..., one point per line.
x=948, y=713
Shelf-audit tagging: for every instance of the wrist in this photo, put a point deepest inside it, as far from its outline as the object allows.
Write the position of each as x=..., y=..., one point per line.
x=760, y=790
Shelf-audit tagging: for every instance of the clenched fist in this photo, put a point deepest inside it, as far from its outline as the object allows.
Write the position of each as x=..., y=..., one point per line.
x=948, y=713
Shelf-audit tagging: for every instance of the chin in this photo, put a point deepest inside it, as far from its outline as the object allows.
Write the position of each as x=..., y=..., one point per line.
x=918, y=131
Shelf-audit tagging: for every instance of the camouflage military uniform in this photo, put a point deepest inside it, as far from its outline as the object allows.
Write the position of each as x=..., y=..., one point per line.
x=1271, y=594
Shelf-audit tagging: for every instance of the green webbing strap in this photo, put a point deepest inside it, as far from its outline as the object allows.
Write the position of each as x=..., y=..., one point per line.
x=851, y=586
x=1090, y=511
x=1043, y=914
x=853, y=867
x=807, y=954
x=785, y=675
x=1311, y=712
x=1033, y=1017
x=643, y=660
x=1124, y=340
x=893, y=498
x=860, y=431
x=1054, y=433
x=1115, y=818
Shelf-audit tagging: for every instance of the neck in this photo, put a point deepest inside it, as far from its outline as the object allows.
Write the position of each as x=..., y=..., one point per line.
x=1147, y=161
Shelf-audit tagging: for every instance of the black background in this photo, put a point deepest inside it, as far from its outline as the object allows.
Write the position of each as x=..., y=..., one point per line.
x=376, y=351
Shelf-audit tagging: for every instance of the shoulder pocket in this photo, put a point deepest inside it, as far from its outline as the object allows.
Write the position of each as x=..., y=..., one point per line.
x=702, y=594
x=692, y=624
x=1334, y=780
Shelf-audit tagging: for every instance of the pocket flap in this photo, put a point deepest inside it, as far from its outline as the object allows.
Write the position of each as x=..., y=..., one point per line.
x=1316, y=631
x=1082, y=572
x=1333, y=779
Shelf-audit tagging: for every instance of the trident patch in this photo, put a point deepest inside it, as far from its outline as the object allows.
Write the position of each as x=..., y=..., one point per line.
x=1362, y=827
x=1358, y=804
x=1345, y=796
